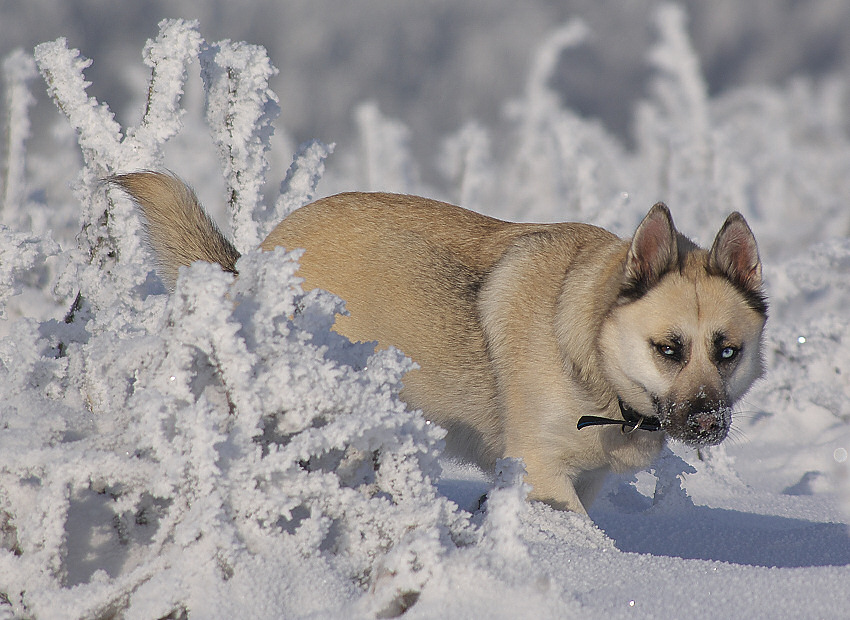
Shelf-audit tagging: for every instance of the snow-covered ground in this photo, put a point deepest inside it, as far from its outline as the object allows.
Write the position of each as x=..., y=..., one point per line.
x=220, y=453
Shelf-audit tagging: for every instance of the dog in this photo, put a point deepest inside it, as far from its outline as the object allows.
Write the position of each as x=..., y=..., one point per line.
x=560, y=344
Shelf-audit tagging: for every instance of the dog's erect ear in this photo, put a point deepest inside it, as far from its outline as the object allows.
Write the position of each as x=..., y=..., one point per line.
x=653, y=252
x=736, y=255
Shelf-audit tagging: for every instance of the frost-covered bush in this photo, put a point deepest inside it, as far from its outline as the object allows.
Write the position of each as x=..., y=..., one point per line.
x=221, y=435
x=211, y=437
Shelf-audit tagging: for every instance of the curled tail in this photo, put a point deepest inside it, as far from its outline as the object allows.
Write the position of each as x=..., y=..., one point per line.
x=178, y=228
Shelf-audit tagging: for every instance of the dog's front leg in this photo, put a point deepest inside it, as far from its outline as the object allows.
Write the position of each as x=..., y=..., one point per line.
x=549, y=482
x=558, y=493
x=589, y=483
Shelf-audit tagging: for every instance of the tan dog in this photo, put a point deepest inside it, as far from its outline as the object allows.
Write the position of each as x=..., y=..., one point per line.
x=557, y=343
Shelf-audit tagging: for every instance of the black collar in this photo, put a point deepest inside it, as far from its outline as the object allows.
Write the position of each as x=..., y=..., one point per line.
x=631, y=419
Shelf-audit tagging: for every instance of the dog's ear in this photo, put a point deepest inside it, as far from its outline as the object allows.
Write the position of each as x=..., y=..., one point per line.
x=653, y=252
x=735, y=254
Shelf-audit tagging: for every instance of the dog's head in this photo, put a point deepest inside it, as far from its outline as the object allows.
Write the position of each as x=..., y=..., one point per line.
x=683, y=342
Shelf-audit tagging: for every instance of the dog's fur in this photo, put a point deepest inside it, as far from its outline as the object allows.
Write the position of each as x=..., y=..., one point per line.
x=520, y=329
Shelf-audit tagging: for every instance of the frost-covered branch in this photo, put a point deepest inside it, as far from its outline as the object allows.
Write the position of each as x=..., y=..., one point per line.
x=168, y=56
x=680, y=88
x=19, y=254
x=674, y=129
x=99, y=135
x=240, y=110
x=302, y=178
x=467, y=161
x=104, y=149
x=561, y=163
x=18, y=70
x=541, y=99
x=385, y=162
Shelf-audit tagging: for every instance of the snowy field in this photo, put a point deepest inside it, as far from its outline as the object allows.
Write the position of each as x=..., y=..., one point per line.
x=219, y=453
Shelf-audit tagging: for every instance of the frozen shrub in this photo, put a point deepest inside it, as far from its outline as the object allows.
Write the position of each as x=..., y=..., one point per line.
x=215, y=435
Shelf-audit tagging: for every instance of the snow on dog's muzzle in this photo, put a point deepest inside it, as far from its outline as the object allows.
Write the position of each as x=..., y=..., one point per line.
x=698, y=422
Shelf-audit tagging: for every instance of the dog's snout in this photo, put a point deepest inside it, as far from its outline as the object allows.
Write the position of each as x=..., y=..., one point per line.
x=702, y=420
x=706, y=422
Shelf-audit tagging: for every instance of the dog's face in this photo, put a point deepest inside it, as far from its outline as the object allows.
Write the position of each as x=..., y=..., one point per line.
x=684, y=342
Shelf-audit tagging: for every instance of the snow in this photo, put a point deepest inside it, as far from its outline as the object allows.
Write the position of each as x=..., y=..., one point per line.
x=220, y=453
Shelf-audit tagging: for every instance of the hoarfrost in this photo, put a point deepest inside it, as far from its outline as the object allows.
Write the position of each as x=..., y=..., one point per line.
x=240, y=110
x=385, y=162
x=302, y=179
x=18, y=70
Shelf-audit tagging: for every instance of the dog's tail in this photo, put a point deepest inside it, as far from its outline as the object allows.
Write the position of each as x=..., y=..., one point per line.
x=178, y=228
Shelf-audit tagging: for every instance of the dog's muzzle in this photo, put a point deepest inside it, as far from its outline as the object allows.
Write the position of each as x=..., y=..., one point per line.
x=699, y=422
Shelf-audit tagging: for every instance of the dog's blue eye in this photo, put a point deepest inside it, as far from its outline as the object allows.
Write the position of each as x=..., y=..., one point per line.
x=728, y=353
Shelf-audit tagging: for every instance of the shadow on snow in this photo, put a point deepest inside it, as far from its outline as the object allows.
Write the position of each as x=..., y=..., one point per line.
x=725, y=535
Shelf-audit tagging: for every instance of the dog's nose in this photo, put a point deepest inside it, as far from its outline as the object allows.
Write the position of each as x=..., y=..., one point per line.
x=706, y=423
x=708, y=427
